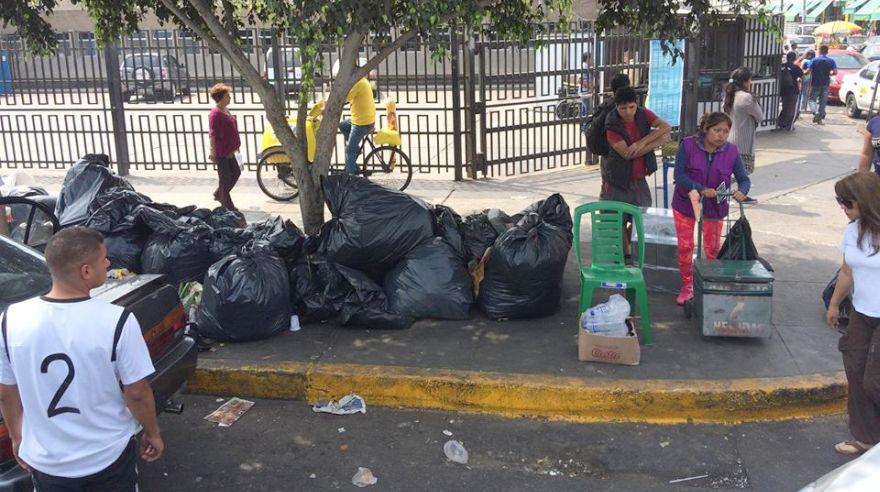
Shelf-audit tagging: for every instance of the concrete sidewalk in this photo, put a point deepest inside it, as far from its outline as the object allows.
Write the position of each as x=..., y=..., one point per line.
x=530, y=367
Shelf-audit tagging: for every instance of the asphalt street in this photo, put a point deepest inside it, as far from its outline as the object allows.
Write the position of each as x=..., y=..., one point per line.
x=284, y=445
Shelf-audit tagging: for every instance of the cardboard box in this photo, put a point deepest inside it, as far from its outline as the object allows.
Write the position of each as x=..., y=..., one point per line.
x=611, y=350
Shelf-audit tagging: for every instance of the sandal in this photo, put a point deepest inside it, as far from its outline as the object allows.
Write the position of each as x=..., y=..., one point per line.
x=851, y=448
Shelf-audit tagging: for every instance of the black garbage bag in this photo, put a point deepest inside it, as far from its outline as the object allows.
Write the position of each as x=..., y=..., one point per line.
x=221, y=217
x=431, y=281
x=324, y=291
x=111, y=211
x=523, y=274
x=554, y=210
x=366, y=305
x=124, y=249
x=282, y=235
x=318, y=290
x=182, y=255
x=25, y=191
x=157, y=221
x=202, y=214
x=372, y=227
x=226, y=241
x=83, y=182
x=845, y=306
x=447, y=224
x=245, y=297
x=478, y=234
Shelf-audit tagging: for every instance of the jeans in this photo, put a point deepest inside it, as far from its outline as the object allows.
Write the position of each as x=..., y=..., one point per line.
x=353, y=134
x=820, y=96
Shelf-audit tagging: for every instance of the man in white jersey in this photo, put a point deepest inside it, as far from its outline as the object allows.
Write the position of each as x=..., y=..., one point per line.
x=73, y=391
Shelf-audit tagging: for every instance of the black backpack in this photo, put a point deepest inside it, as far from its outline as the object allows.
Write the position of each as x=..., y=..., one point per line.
x=786, y=81
x=596, y=140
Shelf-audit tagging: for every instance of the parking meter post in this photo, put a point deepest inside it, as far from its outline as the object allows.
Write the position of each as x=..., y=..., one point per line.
x=117, y=110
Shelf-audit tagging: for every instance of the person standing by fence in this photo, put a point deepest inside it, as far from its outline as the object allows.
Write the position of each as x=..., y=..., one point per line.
x=746, y=114
x=790, y=78
x=225, y=142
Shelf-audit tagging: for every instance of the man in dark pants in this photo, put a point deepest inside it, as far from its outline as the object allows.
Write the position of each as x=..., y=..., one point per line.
x=790, y=82
x=822, y=68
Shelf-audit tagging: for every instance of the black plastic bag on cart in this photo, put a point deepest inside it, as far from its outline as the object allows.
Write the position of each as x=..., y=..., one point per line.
x=738, y=244
x=523, y=273
x=245, y=297
x=83, y=182
x=431, y=281
x=845, y=305
x=281, y=235
x=226, y=241
x=183, y=255
x=372, y=227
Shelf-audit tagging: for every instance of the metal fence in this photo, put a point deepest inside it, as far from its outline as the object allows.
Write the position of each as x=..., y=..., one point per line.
x=491, y=107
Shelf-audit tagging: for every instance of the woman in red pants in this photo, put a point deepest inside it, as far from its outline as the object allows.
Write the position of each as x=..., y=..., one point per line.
x=703, y=162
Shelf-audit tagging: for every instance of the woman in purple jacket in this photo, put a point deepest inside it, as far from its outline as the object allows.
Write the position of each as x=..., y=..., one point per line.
x=703, y=162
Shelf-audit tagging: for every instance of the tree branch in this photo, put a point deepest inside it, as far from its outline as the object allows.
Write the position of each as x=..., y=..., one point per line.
x=374, y=62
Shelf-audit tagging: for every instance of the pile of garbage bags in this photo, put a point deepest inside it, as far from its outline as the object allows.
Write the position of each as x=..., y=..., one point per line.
x=383, y=260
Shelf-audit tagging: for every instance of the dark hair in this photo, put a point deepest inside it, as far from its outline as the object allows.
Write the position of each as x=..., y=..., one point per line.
x=714, y=119
x=586, y=57
x=219, y=90
x=811, y=54
x=863, y=188
x=823, y=49
x=72, y=248
x=625, y=95
x=736, y=83
x=790, y=56
x=618, y=81
x=793, y=45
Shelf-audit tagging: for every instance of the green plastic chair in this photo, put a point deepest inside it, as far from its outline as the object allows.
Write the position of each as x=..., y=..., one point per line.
x=607, y=266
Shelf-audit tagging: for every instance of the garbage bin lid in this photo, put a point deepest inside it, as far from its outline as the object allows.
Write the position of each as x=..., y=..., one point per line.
x=750, y=271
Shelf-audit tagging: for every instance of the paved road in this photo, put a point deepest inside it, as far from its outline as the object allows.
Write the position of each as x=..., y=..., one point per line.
x=279, y=445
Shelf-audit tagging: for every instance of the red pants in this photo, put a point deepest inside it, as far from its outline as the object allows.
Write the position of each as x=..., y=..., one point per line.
x=684, y=229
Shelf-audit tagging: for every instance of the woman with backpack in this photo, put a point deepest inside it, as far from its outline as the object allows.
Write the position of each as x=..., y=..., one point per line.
x=704, y=161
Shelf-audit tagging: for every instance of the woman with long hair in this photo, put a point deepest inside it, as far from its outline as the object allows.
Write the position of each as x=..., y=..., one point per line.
x=859, y=196
x=745, y=113
x=704, y=161
x=807, y=83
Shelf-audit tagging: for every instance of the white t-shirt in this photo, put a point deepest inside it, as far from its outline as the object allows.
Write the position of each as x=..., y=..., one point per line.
x=75, y=422
x=866, y=271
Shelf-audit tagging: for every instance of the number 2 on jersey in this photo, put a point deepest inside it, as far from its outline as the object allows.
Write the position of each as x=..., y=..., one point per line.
x=54, y=409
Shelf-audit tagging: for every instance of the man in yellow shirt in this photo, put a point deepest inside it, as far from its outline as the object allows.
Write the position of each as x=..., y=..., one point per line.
x=363, y=119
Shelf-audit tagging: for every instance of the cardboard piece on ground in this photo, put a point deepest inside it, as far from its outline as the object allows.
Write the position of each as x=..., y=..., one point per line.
x=610, y=350
x=229, y=412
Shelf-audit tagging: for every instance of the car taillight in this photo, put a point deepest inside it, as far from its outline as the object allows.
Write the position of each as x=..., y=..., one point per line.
x=178, y=325
x=5, y=445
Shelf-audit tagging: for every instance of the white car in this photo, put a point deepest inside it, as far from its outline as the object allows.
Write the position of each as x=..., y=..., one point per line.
x=859, y=475
x=857, y=90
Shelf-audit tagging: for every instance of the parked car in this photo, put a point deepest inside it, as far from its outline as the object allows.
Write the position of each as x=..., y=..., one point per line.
x=155, y=304
x=871, y=52
x=804, y=44
x=848, y=62
x=153, y=75
x=858, y=89
x=856, y=42
x=805, y=29
x=291, y=68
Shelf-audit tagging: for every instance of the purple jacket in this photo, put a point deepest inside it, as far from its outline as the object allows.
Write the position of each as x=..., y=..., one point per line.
x=697, y=169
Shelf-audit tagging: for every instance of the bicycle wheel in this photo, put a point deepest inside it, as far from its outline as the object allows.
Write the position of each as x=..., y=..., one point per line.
x=389, y=167
x=275, y=176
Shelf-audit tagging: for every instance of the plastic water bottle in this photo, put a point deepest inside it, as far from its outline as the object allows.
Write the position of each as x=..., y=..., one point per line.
x=608, y=318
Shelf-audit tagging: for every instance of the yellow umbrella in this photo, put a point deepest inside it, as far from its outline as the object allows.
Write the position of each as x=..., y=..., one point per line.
x=837, y=28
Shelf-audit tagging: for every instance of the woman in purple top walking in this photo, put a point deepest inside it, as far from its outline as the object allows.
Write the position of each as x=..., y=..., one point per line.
x=703, y=162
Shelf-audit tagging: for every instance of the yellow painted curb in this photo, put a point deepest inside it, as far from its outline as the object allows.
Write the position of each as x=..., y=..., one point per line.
x=524, y=395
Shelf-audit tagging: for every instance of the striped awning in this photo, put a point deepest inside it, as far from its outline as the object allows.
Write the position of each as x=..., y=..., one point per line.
x=853, y=6
x=868, y=12
x=795, y=8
